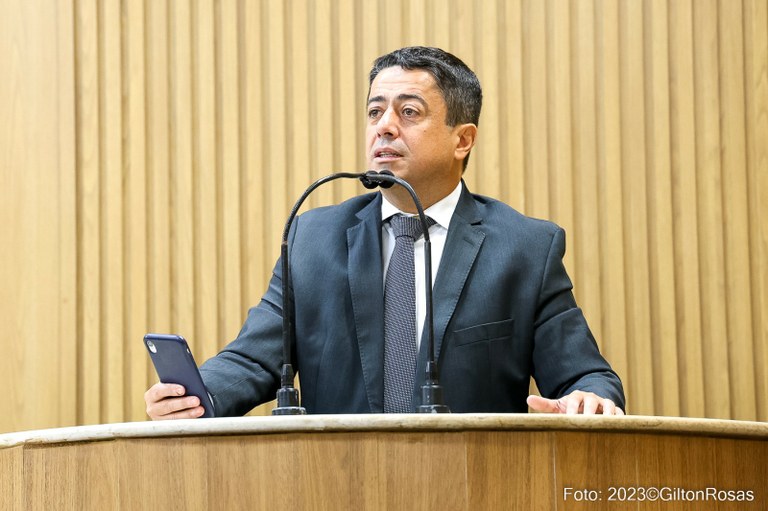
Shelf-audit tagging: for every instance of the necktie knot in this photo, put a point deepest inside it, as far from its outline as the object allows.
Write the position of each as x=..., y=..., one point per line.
x=409, y=226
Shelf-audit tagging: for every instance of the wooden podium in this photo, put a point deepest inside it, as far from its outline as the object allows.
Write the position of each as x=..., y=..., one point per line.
x=393, y=462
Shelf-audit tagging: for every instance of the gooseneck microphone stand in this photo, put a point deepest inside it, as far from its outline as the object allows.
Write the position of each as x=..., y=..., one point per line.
x=288, y=396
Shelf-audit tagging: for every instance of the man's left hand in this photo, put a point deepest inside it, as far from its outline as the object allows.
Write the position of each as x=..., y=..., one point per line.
x=577, y=402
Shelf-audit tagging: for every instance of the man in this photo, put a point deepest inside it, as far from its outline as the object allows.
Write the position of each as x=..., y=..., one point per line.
x=503, y=306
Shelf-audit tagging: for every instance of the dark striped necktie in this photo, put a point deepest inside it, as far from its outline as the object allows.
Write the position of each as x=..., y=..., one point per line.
x=400, y=316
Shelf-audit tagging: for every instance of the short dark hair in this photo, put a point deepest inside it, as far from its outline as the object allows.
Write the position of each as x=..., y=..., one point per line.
x=458, y=84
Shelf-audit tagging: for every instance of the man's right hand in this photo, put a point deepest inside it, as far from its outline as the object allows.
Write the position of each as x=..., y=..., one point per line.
x=167, y=401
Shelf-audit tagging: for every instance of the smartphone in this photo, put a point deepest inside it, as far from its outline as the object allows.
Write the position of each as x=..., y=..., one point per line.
x=174, y=363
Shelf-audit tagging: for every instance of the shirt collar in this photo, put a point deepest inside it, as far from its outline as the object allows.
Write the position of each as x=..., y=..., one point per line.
x=441, y=211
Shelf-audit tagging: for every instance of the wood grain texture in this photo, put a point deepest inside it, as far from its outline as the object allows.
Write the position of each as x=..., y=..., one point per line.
x=492, y=453
x=591, y=462
x=150, y=152
x=684, y=207
x=62, y=478
x=756, y=94
x=37, y=163
x=464, y=469
x=11, y=483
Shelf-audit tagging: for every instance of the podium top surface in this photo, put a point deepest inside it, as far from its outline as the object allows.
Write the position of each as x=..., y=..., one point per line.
x=390, y=422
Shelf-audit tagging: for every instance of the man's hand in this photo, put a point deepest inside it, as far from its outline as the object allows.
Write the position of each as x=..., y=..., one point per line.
x=167, y=401
x=576, y=402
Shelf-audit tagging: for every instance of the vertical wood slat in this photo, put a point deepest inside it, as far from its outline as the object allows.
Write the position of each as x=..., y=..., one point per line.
x=135, y=211
x=111, y=293
x=511, y=116
x=274, y=122
x=321, y=113
x=535, y=128
x=67, y=237
x=228, y=107
x=463, y=44
x=89, y=204
x=634, y=179
x=487, y=64
x=637, y=126
x=685, y=208
x=661, y=256
x=439, y=29
x=415, y=22
x=710, y=213
x=735, y=209
x=181, y=169
x=158, y=163
x=559, y=123
x=205, y=208
x=348, y=103
x=585, y=239
x=611, y=255
x=756, y=93
x=298, y=100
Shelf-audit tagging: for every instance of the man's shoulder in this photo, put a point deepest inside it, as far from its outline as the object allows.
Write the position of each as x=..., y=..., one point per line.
x=494, y=212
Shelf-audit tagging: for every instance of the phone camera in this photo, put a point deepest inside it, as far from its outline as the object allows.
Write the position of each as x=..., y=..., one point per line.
x=151, y=346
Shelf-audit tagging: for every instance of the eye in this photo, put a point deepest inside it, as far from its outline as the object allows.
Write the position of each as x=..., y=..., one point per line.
x=374, y=113
x=410, y=112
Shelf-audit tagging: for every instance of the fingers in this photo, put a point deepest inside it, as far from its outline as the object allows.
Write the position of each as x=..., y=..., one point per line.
x=574, y=402
x=542, y=404
x=610, y=408
x=167, y=401
x=577, y=402
x=160, y=391
x=188, y=413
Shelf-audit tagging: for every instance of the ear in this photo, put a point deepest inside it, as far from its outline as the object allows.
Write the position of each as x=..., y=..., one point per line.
x=466, y=134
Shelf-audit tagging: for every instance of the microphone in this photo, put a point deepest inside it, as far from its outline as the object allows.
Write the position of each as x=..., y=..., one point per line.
x=372, y=179
x=288, y=402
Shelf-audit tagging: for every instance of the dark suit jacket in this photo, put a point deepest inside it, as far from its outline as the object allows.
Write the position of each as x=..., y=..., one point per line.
x=503, y=311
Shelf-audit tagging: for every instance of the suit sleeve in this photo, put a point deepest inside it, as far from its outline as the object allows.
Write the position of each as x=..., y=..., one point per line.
x=246, y=372
x=566, y=356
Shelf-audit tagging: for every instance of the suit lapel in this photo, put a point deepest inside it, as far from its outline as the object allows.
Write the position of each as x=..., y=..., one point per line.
x=367, y=292
x=461, y=248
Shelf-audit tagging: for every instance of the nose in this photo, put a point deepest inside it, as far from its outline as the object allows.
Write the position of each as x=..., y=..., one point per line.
x=387, y=124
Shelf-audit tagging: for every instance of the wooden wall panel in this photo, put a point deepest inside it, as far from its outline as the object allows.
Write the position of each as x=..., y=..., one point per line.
x=166, y=142
x=684, y=207
x=733, y=156
x=37, y=217
x=756, y=92
x=135, y=217
x=666, y=394
x=614, y=340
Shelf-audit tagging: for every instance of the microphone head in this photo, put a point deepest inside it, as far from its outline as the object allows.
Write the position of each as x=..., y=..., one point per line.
x=369, y=179
x=386, y=184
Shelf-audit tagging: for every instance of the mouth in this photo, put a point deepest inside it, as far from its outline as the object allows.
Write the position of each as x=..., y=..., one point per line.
x=386, y=154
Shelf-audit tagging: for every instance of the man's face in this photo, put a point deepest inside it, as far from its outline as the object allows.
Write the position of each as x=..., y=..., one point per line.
x=407, y=134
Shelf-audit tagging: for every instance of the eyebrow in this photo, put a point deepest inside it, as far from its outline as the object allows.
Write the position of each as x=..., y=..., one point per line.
x=400, y=97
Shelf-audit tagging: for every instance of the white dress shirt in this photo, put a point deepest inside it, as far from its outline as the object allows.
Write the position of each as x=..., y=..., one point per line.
x=441, y=212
